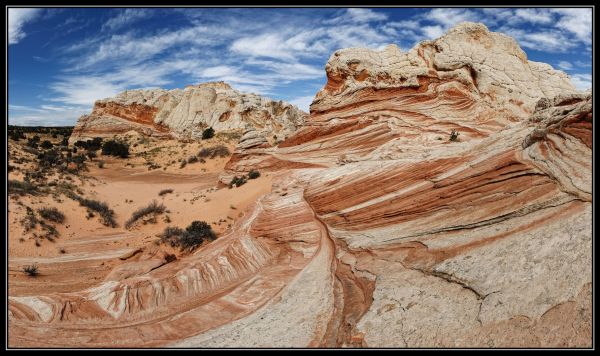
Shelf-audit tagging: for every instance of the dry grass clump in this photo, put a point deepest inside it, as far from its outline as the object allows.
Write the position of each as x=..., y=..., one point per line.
x=153, y=208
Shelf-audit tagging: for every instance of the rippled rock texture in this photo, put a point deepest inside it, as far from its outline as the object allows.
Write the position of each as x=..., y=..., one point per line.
x=380, y=230
x=184, y=114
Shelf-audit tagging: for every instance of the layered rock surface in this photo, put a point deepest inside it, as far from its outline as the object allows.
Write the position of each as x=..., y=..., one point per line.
x=184, y=114
x=381, y=231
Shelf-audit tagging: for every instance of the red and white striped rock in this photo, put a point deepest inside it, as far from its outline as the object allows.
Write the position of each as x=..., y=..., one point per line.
x=377, y=233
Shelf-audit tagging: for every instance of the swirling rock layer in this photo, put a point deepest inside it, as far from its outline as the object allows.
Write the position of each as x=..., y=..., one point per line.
x=380, y=231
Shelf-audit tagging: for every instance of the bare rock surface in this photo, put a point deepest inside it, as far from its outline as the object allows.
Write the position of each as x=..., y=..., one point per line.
x=184, y=114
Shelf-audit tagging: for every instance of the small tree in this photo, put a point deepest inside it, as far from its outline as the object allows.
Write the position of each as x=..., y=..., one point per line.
x=208, y=133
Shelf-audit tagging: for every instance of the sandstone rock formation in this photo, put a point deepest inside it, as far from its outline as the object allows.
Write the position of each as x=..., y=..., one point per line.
x=184, y=114
x=380, y=231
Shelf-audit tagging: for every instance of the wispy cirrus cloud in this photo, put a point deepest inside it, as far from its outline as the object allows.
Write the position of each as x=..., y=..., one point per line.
x=46, y=115
x=17, y=19
x=126, y=17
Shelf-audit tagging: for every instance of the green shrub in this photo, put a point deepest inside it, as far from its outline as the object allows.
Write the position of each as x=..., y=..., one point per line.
x=215, y=151
x=115, y=148
x=22, y=188
x=195, y=234
x=253, y=174
x=52, y=214
x=208, y=133
x=171, y=235
x=237, y=181
x=90, y=145
x=107, y=214
x=192, y=159
x=31, y=271
x=46, y=144
x=50, y=158
x=454, y=135
x=91, y=154
x=165, y=191
x=190, y=238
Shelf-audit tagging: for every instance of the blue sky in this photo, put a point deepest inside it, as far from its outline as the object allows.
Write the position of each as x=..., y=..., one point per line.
x=63, y=59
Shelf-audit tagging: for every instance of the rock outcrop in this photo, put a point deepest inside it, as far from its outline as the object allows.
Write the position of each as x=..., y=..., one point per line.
x=184, y=114
x=381, y=230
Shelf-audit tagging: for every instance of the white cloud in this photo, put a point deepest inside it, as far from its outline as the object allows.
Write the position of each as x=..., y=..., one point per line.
x=583, y=64
x=303, y=102
x=365, y=15
x=131, y=50
x=576, y=21
x=271, y=45
x=83, y=90
x=432, y=32
x=448, y=17
x=541, y=16
x=548, y=41
x=582, y=81
x=46, y=115
x=565, y=65
x=17, y=18
x=126, y=17
x=218, y=71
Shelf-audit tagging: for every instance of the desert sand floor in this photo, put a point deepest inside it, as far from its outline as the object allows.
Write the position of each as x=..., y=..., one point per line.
x=86, y=251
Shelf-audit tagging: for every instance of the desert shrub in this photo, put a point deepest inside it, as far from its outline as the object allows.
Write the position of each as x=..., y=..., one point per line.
x=237, y=181
x=106, y=213
x=183, y=164
x=115, y=148
x=192, y=159
x=152, y=208
x=51, y=231
x=49, y=158
x=196, y=233
x=90, y=145
x=52, y=214
x=31, y=270
x=79, y=160
x=29, y=221
x=215, y=151
x=253, y=174
x=22, y=188
x=190, y=238
x=46, y=144
x=454, y=135
x=171, y=235
x=165, y=191
x=208, y=133
x=31, y=143
x=16, y=135
x=91, y=154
